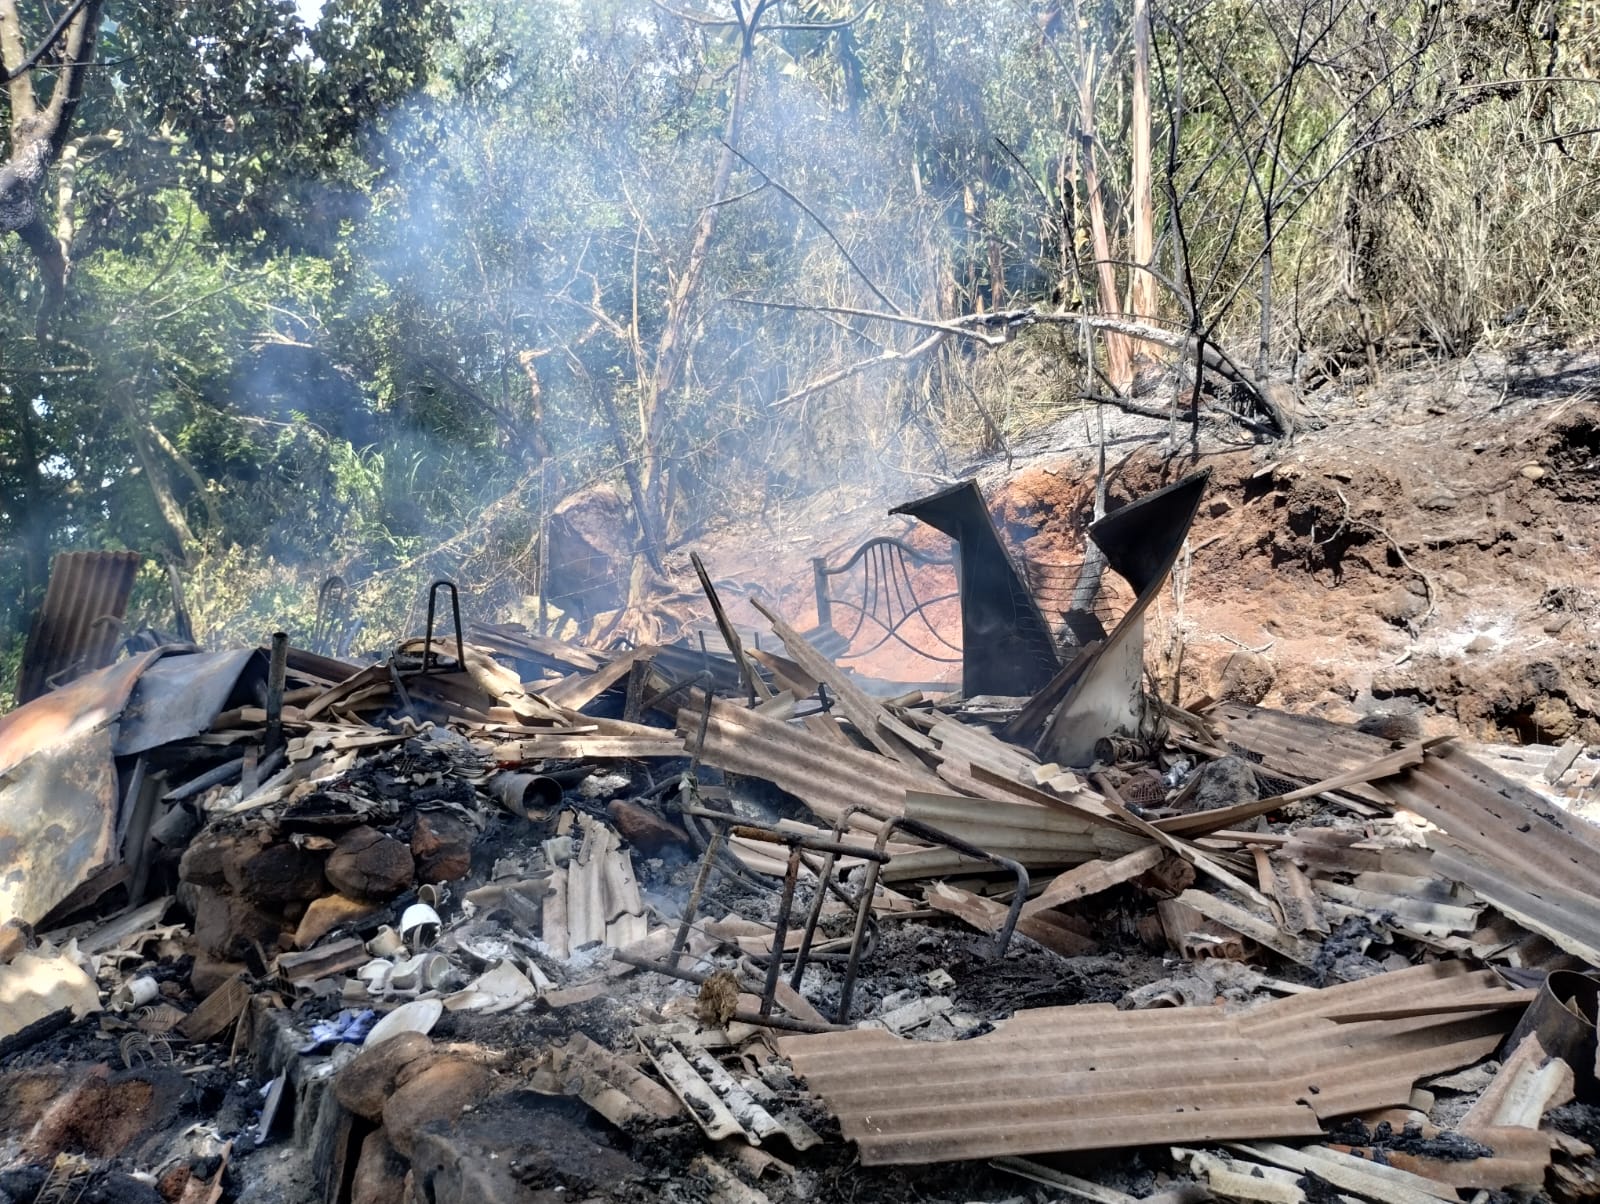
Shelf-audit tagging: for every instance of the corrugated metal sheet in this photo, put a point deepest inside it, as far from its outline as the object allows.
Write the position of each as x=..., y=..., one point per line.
x=1091, y=1077
x=826, y=776
x=962, y=742
x=180, y=695
x=80, y=622
x=1028, y=832
x=1302, y=747
x=1512, y=848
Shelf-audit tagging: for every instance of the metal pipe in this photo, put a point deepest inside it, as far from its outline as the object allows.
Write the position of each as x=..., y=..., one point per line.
x=429, y=658
x=692, y=907
x=513, y=791
x=751, y=829
x=225, y=772
x=780, y=931
x=277, y=668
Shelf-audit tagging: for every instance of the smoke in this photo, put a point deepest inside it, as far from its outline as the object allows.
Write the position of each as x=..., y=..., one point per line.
x=479, y=339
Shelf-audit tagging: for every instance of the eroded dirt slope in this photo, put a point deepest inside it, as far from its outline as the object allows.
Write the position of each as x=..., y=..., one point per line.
x=1433, y=547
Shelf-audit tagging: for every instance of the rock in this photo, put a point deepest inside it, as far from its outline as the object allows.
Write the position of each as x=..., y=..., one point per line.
x=436, y=1096
x=274, y=874
x=1556, y=624
x=13, y=939
x=203, y=861
x=1224, y=782
x=366, y=864
x=1219, y=507
x=522, y=1148
x=643, y=828
x=366, y=1083
x=327, y=913
x=589, y=535
x=442, y=845
x=1480, y=643
x=1533, y=472
x=380, y=1172
x=1553, y=720
x=1399, y=606
x=1244, y=677
x=209, y=973
x=1391, y=725
x=226, y=927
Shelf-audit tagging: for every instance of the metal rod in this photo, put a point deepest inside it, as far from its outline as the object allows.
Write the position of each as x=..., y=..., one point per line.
x=225, y=772
x=692, y=907
x=277, y=668
x=824, y=878
x=938, y=836
x=891, y=824
x=429, y=659
x=751, y=829
x=863, y=913
x=780, y=931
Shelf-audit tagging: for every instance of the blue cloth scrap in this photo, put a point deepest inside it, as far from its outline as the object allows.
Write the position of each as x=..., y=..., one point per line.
x=348, y=1026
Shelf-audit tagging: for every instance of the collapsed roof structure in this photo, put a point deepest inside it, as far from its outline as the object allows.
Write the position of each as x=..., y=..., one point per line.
x=415, y=924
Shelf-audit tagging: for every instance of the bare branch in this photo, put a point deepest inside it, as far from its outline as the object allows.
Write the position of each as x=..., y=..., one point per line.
x=29, y=62
x=814, y=216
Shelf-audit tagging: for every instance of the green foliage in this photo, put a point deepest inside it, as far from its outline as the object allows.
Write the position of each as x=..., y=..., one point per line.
x=368, y=298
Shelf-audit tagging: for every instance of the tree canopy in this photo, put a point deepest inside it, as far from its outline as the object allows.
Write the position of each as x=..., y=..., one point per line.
x=366, y=297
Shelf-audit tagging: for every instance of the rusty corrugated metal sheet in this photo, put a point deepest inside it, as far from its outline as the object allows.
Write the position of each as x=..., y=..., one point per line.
x=1524, y=855
x=58, y=789
x=825, y=775
x=80, y=621
x=1091, y=1077
x=60, y=803
x=1302, y=747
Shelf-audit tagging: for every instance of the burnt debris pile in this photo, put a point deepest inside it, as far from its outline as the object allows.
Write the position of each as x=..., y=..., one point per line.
x=503, y=918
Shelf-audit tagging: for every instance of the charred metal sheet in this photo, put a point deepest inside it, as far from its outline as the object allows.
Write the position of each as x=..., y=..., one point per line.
x=180, y=695
x=79, y=623
x=1006, y=646
x=1302, y=747
x=1091, y=1077
x=1511, y=847
x=828, y=777
x=62, y=819
x=1141, y=542
x=59, y=797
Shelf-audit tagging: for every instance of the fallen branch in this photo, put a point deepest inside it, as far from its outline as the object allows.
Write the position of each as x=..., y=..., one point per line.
x=1000, y=327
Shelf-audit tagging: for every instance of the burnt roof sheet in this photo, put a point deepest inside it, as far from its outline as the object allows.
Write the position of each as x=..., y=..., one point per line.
x=1091, y=1077
x=77, y=627
x=1526, y=856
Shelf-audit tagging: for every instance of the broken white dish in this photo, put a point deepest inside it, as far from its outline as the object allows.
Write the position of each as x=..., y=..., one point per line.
x=418, y=1016
x=496, y=990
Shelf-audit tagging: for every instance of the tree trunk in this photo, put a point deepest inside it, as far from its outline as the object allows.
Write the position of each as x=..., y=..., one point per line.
x=673, y=350
x=39, y=135
x=1119, y=352
x=1142, y=290
x=1264, y=350
x=144, y=439
x=34, y=531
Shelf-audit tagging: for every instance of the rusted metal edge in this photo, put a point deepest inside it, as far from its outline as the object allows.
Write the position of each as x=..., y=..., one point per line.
x=78, y=626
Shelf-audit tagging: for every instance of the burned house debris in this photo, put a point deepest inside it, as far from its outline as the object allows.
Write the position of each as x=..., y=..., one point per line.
x=499, y=917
